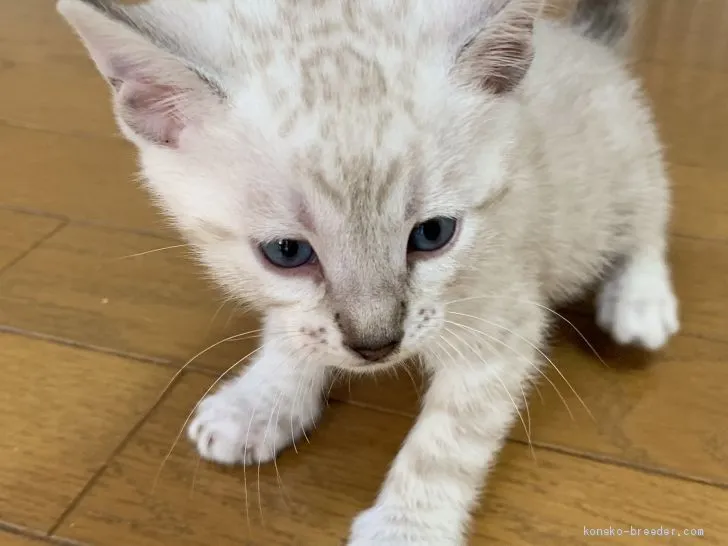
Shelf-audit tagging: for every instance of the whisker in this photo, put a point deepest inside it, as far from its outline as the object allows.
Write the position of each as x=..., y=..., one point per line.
x=518, y=353
x=295, y=400
x=545, y=308
x=189, y=416
x=171, y=382
x=538, y=392
x=217, y=312
x=443, y=348
x=191, y=360
x=194, y=475
x=275, y=460
x=168, y=386
x=414, y=383
x=528, y=418
x=245, y=450
x=136, y=255
x=536, y=348
x=276, y=405
x=332, y=383
x=526, y=429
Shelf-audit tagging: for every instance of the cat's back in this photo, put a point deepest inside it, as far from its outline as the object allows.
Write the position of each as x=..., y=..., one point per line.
x=578, y=83
x=592, y=150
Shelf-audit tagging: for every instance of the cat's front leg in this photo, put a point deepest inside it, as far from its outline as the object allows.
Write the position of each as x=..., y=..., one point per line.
x=476, y=393
x=269, y=406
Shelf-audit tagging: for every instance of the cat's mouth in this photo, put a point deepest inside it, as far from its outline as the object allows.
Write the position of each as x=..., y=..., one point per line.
x=377, y=361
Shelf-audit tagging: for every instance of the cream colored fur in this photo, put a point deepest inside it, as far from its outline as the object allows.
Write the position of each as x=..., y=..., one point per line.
x=346, y=123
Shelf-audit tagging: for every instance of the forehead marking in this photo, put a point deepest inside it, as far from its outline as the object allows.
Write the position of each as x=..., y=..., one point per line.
x=394, y=171
x=338, y=76
x=325, y=187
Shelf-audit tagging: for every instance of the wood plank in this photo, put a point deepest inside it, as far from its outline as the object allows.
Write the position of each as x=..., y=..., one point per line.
x=82, y=178
x=319, y=490
x=698, y=268
x=11, y=539
x=79, y=285
x=685, y=33
x=642, y=406
x=32, y=31
x=65, y=410
x=691, y=112
x=19, y=232
x=38, y=53
x=147, y=314
x=83, y=108
x=645, y=404
x=700, y=198
x=165, y=305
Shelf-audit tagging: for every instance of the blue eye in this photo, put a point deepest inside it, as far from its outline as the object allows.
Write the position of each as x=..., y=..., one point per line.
x=288, y=253
x=432, y=235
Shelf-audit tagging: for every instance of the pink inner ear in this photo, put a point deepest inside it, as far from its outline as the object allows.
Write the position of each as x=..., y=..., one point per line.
x=152, y=110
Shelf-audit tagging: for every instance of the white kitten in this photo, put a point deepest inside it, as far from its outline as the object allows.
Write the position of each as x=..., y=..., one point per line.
x=389, y=178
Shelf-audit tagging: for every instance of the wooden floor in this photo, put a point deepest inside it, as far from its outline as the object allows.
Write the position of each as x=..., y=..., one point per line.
x=90, y=337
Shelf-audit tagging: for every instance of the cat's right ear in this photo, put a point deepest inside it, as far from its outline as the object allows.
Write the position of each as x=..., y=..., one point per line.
x=496, y=56
x=156, y=93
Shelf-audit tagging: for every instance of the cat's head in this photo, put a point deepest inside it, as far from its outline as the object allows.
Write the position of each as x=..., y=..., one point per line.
x=329, y=159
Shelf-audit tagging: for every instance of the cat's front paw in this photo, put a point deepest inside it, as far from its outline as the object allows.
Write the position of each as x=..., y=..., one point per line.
x=390, y=526
x=235, y=426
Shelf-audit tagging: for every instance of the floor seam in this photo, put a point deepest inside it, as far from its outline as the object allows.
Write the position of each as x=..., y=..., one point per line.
x=37, y=535
x=94, y=224
x=39, y=242
x=631, y=465
x=171, y=364
x=91, y=482
x=114, y=135
x=570, y=452
x=136, y=357
x=31, y=334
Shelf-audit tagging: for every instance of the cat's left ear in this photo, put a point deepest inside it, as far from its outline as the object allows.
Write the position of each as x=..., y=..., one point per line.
x=496, y=57
x=157, y=93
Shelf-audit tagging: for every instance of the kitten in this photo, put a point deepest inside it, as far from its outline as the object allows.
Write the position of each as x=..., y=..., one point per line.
x=385, y=179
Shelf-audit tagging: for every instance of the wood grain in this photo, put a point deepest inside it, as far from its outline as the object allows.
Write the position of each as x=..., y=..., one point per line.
x=701, y=203
x=685, y=34
x=691, y=112
x=317, y=491
x=86, y=284
x=637, y=409
x=654, y=454
x=175, y=320
x=64, y=411
x=130, y=305
x=46, y=79
x=9, y=539
x=19, y=232
x=81, y=178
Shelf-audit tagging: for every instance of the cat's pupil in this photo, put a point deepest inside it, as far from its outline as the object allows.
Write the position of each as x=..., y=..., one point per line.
x=288, y=248
x=431, y=230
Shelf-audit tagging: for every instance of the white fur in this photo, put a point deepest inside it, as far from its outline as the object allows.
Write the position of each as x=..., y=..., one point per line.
x=556, y=184
x=256, y=415
x=637, y=303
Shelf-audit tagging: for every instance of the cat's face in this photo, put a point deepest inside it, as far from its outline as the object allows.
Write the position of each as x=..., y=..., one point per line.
x=336, y=181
